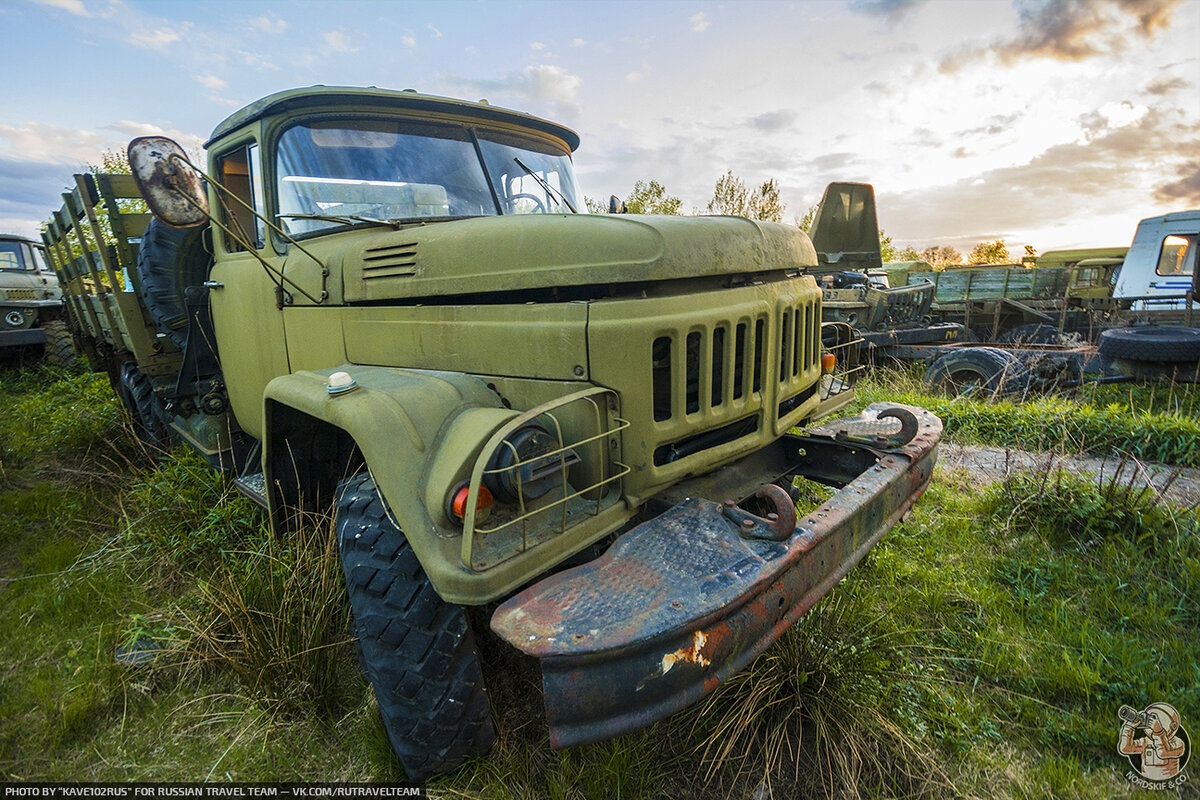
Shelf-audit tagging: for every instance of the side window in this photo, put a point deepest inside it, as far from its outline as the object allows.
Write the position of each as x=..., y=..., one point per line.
x=1178, y=255
x=241, y=173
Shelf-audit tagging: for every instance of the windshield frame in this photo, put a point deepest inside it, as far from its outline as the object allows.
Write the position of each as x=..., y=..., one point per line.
x=473, y=129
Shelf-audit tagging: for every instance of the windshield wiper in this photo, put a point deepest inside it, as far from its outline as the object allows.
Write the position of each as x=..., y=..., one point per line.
x=343, y=218
x=545, y=186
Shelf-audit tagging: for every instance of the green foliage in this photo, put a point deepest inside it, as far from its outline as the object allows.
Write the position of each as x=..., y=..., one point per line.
x=940, y=257
x=1050, y=422
x=651, y=198
x=730, y=196
x=909, y=253
x=990, y=253
x=52, y=413
x=805, y=223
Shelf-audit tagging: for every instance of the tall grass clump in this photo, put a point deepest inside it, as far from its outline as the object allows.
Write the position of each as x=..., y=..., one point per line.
x=276, y=615
x=831, y=709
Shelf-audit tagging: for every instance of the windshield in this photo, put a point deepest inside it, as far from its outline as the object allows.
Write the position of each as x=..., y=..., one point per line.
x=349, y=171
x=12, y=255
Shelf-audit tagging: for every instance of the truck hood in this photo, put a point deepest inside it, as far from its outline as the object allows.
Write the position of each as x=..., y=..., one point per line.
x=536, y=251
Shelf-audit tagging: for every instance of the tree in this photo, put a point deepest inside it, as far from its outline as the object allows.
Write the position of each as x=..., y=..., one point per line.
x=908, y=254
x=1030, y=257
x=651, y=198
x=941, y=256
x=730, y=196
x=765, y=203
x=805, y=223
x=990, y=253
x=595, y=206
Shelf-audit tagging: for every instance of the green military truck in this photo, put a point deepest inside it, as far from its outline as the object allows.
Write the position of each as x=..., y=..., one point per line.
x=31, y=302
x=386, y=304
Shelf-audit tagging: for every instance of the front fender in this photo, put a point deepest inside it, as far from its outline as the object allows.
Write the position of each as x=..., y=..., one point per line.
x=396, y=419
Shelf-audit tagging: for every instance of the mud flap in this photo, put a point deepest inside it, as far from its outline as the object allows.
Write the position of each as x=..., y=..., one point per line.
x=687, y=599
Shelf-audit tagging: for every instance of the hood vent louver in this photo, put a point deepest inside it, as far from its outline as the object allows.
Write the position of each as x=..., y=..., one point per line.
x=390, y=261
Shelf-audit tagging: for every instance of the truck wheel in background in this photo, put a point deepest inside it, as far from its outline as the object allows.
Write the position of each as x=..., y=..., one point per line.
x=971, y=370
x=169, y=261
x=1151, y=343
x=418, y=651
x=60, y=346
x=138, y=395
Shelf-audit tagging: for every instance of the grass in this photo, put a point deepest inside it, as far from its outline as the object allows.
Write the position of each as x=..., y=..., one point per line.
x=981, y=649
x=1152, y=422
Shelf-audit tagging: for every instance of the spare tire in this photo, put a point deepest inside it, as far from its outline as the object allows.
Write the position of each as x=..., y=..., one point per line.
x=169, y=261
x=971, y=369
x=1151, y=343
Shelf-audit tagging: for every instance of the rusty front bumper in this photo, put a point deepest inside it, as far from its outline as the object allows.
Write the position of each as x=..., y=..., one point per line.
x=685, y=600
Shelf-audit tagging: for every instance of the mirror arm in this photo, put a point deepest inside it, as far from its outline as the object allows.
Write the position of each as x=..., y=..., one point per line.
x=243, y=240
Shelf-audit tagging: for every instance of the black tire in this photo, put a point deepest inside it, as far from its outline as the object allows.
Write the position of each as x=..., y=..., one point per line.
x=59, y=349
x=418, y=650
x=1034, y=333
x=973, y=369
x=148, y=426
x=1152, y=343
x=169, y=261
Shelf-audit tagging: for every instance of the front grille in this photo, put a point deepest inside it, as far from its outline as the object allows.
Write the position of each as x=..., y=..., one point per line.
x=390, y=261
x=711, y=366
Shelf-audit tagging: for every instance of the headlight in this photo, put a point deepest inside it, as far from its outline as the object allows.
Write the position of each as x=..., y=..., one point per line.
x=527, y=465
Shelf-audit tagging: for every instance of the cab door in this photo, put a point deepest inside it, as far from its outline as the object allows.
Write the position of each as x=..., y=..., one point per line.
x=248, y=324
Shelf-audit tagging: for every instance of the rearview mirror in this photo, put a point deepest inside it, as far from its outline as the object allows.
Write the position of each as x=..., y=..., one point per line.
x=171, y=186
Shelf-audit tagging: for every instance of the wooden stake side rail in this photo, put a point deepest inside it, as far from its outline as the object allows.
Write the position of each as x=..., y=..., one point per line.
x=92, y=243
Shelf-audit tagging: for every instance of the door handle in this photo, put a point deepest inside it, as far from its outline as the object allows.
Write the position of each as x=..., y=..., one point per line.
x=213, y=285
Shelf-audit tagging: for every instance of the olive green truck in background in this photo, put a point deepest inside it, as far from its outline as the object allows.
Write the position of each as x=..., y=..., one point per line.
x=387, y=304
x=31, y=303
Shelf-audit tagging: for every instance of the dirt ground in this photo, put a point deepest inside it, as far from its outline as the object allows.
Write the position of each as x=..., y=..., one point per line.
x=1180, y=486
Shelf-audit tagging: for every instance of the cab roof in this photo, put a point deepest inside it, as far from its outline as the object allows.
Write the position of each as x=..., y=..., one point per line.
x=360, y=97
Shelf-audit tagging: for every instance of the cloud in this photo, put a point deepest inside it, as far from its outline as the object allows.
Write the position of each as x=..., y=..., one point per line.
x=408, y=41
x=436, y=33
x=1165, y=84
x=75, y=7
x=577, y=42
x=1127, y=161
x=30, y=191
x=210, y=81
x=699, y=22
x=546, y=85
x=773, y=121
x=537, y=46
x=159, y=38
x=224, y=101
x=51, y=144
x=270, y=24
x=892, y=9
x=339, y=41
x=1186, y=189
x=1073, y=30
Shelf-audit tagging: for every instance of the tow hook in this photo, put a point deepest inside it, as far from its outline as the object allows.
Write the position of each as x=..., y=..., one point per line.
x=778, y=525
x=885, y=441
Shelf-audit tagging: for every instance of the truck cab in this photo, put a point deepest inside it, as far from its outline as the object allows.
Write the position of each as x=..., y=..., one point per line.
x=1159, y=272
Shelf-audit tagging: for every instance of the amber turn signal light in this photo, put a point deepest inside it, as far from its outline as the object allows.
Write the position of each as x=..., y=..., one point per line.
x=456, y=508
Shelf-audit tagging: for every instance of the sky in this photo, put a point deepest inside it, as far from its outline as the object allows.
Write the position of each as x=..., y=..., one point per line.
x=1055, y=123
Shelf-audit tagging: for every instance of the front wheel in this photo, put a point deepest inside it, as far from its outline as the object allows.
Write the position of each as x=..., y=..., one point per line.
x=417, y=650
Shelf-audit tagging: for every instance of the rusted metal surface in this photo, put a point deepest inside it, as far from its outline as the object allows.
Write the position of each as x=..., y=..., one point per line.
x=171, y=187
x=684, y=601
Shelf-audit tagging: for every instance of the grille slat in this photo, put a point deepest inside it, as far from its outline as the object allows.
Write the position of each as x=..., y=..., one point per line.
x=390, y=261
